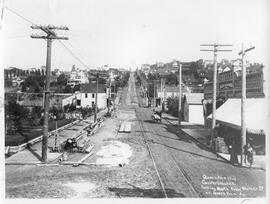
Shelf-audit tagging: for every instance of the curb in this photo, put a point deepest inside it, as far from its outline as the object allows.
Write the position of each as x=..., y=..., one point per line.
x=15, y=149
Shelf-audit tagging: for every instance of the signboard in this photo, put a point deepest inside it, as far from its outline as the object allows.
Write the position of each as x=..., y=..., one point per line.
x=230, y=86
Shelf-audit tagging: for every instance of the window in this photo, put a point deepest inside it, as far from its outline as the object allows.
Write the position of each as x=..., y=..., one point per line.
x=85, y=95
x=93, y=104
x=78, y=102
x=93, y=95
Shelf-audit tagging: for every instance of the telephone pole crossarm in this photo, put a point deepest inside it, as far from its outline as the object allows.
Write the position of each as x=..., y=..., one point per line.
x=207, y=50
x=39, y=36
x=224, y=50
x=251, y=48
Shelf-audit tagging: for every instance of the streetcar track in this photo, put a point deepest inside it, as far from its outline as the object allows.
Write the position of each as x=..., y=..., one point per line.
x=181, y=170
x=152, y=158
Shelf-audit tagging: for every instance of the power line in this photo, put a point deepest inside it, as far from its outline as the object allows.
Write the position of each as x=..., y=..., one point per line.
x=19, y=15
x=75, y=56
x=29, y=21
x=81, y=54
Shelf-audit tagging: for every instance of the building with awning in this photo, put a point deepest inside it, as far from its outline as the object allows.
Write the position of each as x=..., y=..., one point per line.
x=228, y=116
x=257, y=118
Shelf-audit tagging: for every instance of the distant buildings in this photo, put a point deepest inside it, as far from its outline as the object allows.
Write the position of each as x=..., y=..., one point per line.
x=77, y=76
x=229, y=84
x=145, y=69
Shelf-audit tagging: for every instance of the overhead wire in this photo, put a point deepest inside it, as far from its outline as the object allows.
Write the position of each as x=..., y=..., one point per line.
x=29, y=21
x=19, y=15
x=81, y=54
x=75, y=56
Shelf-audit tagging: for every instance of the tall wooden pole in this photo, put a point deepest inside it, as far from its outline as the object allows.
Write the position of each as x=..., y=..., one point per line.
x=110, y=92
x=180, y=95
x=96, y=99
x=50, y=31
x=46, y=102
x=243, y=100
x=215, y=50
x=214, y=96
x=154, y=93
x=243, y=103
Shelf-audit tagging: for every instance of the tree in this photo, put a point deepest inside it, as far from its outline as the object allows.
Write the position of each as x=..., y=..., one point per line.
x=77, y=87
x=62, y=80
x=172, y=105
x=36, y=115
x=67, y=89
x=69, y=108
x=150, y=91
x=171, y=79
x=86, y=111
x=15, y=114
x=154, y=76
x=56, y=113
x=34, y=83
x=101, y=80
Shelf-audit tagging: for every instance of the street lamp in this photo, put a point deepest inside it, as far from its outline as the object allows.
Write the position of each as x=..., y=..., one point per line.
x=243, y=100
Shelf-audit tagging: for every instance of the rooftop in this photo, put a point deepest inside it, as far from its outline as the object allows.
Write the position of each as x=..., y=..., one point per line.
x=91, y=88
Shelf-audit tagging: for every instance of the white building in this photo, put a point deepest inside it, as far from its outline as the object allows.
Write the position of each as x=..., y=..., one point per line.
x=87, y=96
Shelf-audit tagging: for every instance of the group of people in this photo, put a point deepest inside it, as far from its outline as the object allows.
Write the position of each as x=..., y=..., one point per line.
x=248, y=153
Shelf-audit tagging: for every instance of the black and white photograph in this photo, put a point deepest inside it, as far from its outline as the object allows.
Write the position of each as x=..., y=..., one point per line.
x=142, y=100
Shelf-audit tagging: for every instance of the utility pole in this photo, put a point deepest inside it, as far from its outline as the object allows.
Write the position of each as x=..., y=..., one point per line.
x=114, y=95
x=155, y=96
x=243, y=100
x=109, y=98
x=96, y=99
x=51, y=35
x=154, y=93
x=215, y=50
x=180, y=95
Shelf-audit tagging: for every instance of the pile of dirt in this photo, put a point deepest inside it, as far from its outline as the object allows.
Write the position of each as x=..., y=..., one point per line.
x=114, y=154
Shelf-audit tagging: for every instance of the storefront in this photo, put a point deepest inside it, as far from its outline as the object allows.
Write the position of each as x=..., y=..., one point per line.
x=228, y=119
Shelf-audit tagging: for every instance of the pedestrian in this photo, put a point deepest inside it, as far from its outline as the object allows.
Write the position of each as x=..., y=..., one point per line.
x=233, y=153
x=248, y=152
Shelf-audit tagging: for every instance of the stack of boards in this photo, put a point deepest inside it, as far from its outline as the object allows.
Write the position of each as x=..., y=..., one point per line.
x=125, y=127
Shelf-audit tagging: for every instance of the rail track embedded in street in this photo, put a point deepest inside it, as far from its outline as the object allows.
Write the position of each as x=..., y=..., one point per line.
x=179, y=168
x=152, y=158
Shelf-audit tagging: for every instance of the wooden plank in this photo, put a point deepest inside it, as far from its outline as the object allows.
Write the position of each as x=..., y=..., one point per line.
x=128, y=127
x=85, y=157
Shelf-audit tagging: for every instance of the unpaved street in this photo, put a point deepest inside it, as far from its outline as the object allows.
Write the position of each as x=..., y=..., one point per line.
x=156, y=161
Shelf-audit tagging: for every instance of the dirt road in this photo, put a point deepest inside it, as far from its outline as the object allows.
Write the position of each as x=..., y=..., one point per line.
x=157, y=162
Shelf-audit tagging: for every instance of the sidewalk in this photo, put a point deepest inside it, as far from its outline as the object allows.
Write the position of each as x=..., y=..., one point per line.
x=202, y=134
x=33, y=157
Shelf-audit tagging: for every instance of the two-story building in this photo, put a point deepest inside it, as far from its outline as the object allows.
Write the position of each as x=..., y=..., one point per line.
x=87, y=95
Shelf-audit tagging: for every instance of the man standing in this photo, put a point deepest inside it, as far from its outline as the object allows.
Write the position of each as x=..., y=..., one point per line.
x=233, y=153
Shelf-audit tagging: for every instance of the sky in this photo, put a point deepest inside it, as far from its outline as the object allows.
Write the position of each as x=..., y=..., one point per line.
x=128, y=33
